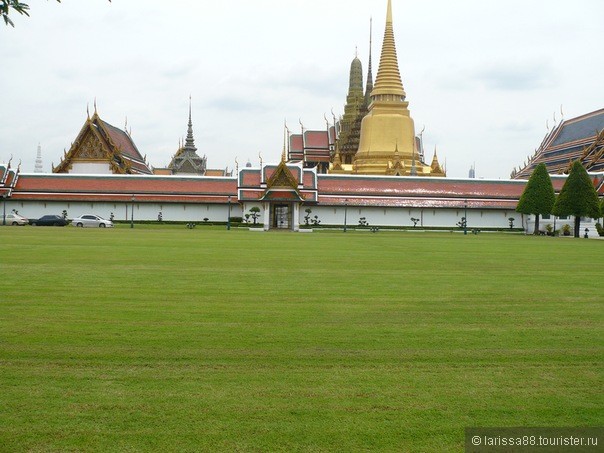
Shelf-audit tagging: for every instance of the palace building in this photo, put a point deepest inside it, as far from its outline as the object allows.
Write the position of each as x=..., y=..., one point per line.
x=368, y=168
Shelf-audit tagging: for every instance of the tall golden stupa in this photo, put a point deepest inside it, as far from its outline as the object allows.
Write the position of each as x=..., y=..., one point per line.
x=388, y=144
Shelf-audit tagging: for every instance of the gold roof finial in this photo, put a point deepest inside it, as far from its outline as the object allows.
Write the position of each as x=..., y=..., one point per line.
x=285, y=133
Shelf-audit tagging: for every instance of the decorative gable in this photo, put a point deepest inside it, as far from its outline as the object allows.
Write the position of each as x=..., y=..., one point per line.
x=282, y=177
x=90, y=149
x=282, y=185
x=100, y=142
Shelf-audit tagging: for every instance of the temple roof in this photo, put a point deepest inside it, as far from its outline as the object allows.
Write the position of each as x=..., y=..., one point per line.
x=8, y=179
x=422, y=192
x=168, y=189
x=316, y=139
x=99, y=140
x=186, y=160
x=123, y=141
x=311, y=147
x=580, y=128
x=580, y=138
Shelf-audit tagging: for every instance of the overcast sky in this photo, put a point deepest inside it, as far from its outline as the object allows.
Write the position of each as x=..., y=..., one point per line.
x=482, y=76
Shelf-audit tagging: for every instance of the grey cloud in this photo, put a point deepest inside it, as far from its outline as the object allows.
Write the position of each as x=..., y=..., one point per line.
x=514, y=76
x=234, y=104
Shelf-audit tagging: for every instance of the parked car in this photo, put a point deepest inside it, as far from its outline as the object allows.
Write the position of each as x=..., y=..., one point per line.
x=16, y=219
x=90, y=220
x=50, y=220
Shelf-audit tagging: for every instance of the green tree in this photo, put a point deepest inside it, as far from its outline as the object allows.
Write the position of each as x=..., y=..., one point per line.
x=538, y=197
x=578, y=197
x=7, y=5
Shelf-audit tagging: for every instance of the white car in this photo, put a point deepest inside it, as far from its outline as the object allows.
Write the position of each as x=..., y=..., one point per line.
x=90, y=220
x=15, y=219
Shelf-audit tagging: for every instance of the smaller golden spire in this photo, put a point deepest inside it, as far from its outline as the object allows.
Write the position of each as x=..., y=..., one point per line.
x=435, y=166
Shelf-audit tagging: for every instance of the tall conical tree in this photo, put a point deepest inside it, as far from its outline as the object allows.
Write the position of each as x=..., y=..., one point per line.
x=538, y=197
x=578, y=197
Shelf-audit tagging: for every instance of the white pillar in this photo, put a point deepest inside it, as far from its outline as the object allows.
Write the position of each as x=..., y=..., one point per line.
x=296, y=217
x=267, y=215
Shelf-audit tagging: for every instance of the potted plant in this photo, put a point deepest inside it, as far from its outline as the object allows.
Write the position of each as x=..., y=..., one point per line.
x=566, y=229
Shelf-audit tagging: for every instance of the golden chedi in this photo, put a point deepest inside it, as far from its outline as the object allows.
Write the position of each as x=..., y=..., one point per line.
x=388, y=144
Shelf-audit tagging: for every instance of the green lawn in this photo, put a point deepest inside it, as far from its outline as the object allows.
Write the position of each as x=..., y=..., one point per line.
x=185, y=340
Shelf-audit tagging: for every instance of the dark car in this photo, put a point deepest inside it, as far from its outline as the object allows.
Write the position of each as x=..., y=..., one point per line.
x=50, y=220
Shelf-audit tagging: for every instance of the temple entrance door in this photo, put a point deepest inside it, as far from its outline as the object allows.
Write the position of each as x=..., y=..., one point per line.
x=281, y=217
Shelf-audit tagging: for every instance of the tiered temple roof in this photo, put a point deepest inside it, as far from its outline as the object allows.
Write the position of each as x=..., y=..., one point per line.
x=580, y=138
x=312, y=147
x=8, y=180
x=186, y=160
x=99, y=141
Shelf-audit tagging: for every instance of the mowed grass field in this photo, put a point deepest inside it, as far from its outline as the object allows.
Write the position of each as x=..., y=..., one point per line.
x=168, y=339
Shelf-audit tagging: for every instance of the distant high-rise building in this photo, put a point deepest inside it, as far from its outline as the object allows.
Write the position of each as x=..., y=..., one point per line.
x=472, y=172
x=39, y=167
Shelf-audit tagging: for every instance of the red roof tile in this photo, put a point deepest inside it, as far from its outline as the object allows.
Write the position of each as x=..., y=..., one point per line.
x=316, y=139
x=295, y=143
x=418, y=186
x=123, y=141
x=64, y=186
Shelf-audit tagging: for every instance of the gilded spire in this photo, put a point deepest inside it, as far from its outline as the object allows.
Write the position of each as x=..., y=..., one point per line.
x=388, y=81
x=435, y=166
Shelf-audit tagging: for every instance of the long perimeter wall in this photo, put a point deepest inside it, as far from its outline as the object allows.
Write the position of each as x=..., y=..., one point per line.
x=380, y=201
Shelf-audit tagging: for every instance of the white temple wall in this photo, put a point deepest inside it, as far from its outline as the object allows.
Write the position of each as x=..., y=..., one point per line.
x=433, y=217
x=90, y=168
x=558, y=222
x=123, y=211
x=328, y=215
